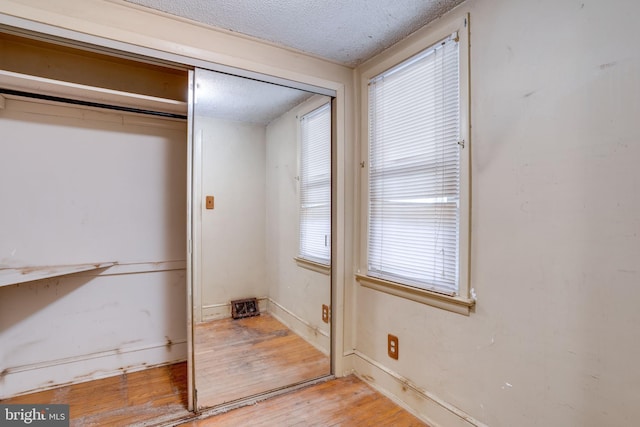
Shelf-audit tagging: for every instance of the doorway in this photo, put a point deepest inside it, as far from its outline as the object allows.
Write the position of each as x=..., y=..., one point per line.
x=291, y=296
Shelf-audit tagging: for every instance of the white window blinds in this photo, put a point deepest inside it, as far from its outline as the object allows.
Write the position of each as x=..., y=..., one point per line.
x=414, y=175
x=315, y=185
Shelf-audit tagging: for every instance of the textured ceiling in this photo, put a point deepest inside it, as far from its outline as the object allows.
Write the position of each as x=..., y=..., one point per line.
x=240, y=99
x=345, y=31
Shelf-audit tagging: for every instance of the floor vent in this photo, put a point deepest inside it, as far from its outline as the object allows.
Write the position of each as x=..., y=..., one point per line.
x=244, y=308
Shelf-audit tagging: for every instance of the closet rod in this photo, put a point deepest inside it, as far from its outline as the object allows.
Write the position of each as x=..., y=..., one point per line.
x=91, y=104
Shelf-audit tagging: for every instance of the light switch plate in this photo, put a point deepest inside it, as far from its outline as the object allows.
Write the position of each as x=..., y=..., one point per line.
x=209, y=202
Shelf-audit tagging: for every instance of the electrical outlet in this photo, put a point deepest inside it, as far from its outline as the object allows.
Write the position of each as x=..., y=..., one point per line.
x=392, y=346
x=325, y=313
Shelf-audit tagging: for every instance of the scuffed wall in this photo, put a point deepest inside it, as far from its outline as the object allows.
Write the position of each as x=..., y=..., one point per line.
x=87, y=186
x=233, y=233
x=299, y=291
x=555, y=228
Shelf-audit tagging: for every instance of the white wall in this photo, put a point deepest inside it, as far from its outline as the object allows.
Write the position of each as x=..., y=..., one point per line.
x=298, y=293
x=233, y=233
x=555, y=249
x=84, y=186
x=86, y=326
x=88, y=186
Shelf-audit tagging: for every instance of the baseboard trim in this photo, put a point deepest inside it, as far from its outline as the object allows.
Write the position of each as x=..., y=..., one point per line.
x=310, y=333
x=25, y=379
x=425, y=405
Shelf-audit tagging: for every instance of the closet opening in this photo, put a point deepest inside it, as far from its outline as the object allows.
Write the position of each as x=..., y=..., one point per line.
x=107, y=155
x=92, y=233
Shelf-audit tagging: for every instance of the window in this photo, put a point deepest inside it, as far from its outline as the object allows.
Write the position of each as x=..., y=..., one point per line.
x=417, y=211
x=315, y=185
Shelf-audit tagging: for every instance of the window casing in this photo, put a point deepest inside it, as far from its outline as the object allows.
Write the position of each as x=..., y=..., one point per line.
x=315, y=186
x=416, y=180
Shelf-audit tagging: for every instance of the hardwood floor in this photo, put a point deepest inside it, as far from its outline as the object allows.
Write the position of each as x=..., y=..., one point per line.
x=252, y=355
x=158, y=395
x=341, y=402
x=125, y=400
x=259, y=353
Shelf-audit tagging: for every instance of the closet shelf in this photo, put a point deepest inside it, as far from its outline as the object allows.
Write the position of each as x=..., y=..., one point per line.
x=14, y=276
x=29, y=83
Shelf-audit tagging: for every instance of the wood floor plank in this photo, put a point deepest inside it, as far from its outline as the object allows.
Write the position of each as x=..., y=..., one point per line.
x=123, y=400
x=235, y=359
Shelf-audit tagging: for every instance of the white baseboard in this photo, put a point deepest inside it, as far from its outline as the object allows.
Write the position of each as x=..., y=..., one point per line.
x=55, y=373
x=426, y=406
x=312, y=334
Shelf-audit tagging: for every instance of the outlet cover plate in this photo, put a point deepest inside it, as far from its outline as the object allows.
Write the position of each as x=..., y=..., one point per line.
x=325, y=313
x=392, y=346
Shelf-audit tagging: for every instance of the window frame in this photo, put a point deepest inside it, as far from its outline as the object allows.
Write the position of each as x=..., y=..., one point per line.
x=462, y=302
x=315, y=103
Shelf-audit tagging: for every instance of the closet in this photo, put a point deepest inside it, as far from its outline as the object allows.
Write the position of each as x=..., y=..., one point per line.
x=110, y=261
x=92, y=227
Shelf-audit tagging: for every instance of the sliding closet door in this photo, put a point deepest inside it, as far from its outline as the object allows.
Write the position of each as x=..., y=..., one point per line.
x=247, y=211
x=189, y=265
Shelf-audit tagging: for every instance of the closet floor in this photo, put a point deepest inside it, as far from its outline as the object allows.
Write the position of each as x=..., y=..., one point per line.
x=135, y=398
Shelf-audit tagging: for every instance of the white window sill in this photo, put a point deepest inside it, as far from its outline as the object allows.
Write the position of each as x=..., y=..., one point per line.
x=314, y=266
x=455, y=304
